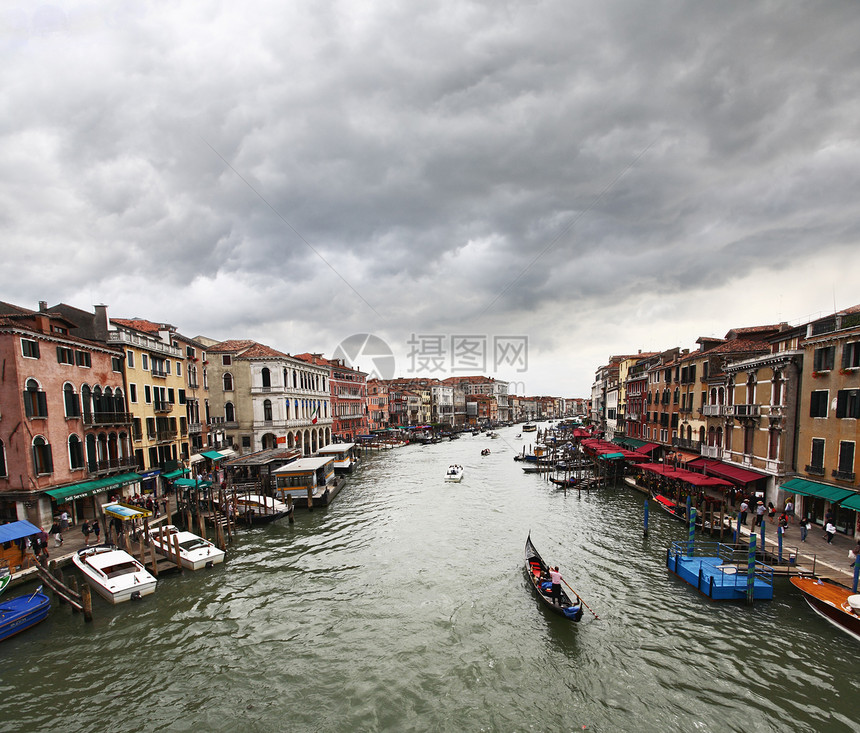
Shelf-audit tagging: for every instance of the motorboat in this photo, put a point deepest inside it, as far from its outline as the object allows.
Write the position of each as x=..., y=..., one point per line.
x=114, y=574
x=529, y=427
x=454, y=473
x=833, y=602
x=257, y=509
x=194, y=552
x=22, y=612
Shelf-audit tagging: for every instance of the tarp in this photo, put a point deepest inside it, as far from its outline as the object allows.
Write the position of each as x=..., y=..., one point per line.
x=852, y=502
x=646, y=448
x=177, y=473
x=17, y=530
x=190, y=482
x=806, y=487
x=88, y=488
x=212, y=455
x=125, y=511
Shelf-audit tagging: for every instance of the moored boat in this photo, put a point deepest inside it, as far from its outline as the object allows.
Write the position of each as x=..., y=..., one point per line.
x=834, y=603
x=22, y=612
x=194, y=552
x=529, y=427
x=454, y=473
x=114, y=574
x=257, y=509
x=565, y=483
x=537, y=572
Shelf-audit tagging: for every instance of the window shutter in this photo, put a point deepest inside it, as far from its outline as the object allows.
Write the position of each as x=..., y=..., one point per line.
x=43, y=404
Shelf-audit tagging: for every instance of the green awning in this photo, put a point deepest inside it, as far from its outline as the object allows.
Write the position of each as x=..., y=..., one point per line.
x=611, y=456
x=212, y=455
x=88, y=488
x=629, y=442
x=852, y=502
x=175, y=474
x=814, y=488
x=191, y=483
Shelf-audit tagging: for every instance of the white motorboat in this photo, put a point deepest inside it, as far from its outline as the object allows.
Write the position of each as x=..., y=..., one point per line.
x=454, y=473
x=194, y=552
x=114, y=574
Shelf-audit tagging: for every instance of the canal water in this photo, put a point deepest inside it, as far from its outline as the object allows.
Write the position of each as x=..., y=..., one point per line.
x=404, y=607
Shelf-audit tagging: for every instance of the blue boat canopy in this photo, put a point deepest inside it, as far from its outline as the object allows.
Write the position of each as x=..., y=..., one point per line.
x=17, y=530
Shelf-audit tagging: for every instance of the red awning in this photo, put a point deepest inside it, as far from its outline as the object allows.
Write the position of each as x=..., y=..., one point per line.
x=731, y=472
x=647, y=448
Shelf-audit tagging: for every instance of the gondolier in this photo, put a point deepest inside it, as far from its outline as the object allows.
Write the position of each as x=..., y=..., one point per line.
x=555, y=592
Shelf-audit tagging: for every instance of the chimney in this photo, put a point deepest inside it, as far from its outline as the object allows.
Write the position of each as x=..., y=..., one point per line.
x=43, y=306
x=100, y=323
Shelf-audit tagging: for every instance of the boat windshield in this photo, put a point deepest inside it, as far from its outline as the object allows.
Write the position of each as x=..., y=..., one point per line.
x=195, y=544
x=123, y=568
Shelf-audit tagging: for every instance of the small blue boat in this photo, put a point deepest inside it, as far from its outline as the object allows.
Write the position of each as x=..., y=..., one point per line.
x=22, y=612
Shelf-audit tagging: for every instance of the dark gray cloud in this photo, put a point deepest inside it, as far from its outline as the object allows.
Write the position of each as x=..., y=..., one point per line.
x=445, y=168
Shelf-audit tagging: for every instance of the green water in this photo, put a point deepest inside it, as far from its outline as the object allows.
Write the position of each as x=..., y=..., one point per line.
x=404, y=606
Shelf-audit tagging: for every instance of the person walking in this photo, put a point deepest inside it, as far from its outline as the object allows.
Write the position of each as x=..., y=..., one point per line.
x=789, y=510
x=759, y=513
x=55, y=533
x=771, y=511
x=745, y=507
x=804, y=528
x=85, y=531
x=96, y=530
x=555, y=591
x=853, y=554
x=829, y=531
x=64, y=521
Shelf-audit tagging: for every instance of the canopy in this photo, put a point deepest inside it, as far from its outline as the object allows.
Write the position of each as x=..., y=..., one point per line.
x=17, y=530
x=125, y=511
x=212, y=455
x=732, y=472
x=646, y=448
x=852, y=502
x=190, y=482
x=88, y=488
x=813, y=488
x=177, y=473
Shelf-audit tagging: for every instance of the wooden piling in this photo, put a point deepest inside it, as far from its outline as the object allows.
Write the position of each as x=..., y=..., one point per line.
x=73, y=586
x=290, y=508
x=177, y=559
x=87, y=603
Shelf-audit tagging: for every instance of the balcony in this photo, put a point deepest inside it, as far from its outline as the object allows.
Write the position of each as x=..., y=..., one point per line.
x=162, y=436
x=195, y=428
x=712, y=410
x=106, y=418
x=160, y=373
x=634, y=416
x=743, y=410
x=815, y=470
x=100, y=468
x=162, y=406
x=843, y=475
x=710, y=451
x=259, y=389
x=143, y=342
x=193, y=385
x=688, y=444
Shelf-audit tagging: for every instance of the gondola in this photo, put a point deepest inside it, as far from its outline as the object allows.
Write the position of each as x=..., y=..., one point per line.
x=565, y=483
x=538, y=574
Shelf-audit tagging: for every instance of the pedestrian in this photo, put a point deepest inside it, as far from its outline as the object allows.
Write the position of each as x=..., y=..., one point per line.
x=783, y=521
x=745, y=507
x=829, y=531
x=55, y=533
x=96, y=530
x=64, y=521
x=85, y=531
x=789, y=510
x=555, y=577
x=771, y=511
x=828, y=517
x=759, y=513
x=853, y=554
x=804, y=528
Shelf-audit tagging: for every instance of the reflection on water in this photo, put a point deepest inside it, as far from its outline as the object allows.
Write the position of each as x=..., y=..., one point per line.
x=403, y=606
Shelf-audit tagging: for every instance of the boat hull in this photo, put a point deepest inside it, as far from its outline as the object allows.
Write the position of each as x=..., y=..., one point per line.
x=830, y=601
x=119, y=589
x=20, y=613
x=535, y=568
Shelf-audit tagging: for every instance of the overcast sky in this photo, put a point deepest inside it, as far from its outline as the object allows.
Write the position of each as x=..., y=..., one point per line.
x=592, y=178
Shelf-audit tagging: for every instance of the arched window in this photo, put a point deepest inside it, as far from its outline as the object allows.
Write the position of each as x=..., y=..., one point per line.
x=43, y=461
x=98, y=404
x=750, y=395
x=229, y=412
x=76, y=453
x=92, y=458
x=3, y=471
x=776, y=389
x=702, y=434
x=35, y=402
x=228, y=382
x=267, y=410
x=102, y=450
x=719, y=442
x=267, y=377
x=70, y=399
x=712, y=437
x=118, y=401
x=294, y=379
x=86, y=401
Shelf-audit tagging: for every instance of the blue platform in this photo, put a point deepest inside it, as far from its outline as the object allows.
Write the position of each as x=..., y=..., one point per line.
x=719, y=571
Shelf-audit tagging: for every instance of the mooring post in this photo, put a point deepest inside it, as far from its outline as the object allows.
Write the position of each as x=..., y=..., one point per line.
x=645, y=518
x=87, y=603
x=738, y=530
x=176, y=556
x=751, y=570
x=856, y=573
x=763, y=546
x=779, y=531
x=290, y=508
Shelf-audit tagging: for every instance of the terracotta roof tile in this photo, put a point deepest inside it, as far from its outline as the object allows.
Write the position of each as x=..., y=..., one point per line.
x=138, y=324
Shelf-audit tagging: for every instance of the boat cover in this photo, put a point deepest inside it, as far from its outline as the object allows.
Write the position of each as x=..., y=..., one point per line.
x=17, y=530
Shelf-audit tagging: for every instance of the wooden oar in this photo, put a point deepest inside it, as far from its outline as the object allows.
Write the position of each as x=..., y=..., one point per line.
x=580, y=599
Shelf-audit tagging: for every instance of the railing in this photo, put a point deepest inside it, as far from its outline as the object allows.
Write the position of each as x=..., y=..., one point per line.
x=257, y=389
x=137, y=435
x=685, y=443
x=99, y=468
x=712, y=410
x=710, y=451
x=162, y=406
x=843, y=475
x=143, y=342
x=743, y=410
x=158, y=373
x=193, y=385
x=194, y=428
x=161, y=435
x=92, y=419
x=815, y=470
